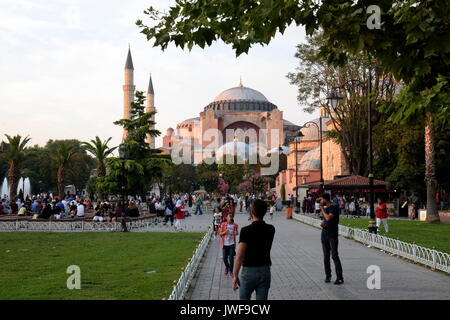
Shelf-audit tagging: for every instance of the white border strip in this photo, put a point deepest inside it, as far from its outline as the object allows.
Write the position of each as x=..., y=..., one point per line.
x=181, y=287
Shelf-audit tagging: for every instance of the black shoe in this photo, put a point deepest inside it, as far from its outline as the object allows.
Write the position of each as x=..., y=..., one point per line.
x=328, y=279
x=339, y=281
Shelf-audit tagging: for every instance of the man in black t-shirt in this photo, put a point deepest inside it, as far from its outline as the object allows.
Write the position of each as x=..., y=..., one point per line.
x=330, y=231
x=253, y=254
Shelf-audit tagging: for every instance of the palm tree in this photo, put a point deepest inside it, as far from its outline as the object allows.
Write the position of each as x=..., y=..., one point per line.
x=14, y=155
x=62, y=158
x=100, y=151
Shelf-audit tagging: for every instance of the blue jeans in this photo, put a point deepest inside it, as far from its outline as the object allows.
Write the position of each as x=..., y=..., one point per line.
x=255, y=279
x=198, y=208
x=228, y=256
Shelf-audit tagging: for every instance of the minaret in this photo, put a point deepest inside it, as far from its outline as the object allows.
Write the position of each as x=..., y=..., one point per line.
x=128, y=90
x=151, y=107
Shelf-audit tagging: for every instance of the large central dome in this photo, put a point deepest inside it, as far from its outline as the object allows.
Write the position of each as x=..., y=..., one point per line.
x=241, y=99
x=240, y=93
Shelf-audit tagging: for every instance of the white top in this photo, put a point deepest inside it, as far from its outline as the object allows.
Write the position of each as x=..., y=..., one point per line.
x=229, y=237
x=217, y=218
x=80, y=210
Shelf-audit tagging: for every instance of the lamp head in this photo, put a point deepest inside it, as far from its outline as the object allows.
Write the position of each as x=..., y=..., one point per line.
x=122, y=151
x=334, y=98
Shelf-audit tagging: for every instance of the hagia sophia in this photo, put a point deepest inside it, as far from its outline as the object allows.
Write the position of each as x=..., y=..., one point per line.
x=244, y=108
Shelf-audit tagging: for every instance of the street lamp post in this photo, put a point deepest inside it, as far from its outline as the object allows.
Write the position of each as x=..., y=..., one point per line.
x=334, y=99
x=296, y=138
x=319, y=129
x=122, y=156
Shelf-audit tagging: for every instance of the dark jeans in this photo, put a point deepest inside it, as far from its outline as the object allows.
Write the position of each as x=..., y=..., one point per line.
x=198, y=208
x=228, y=256
x=330, y=245
x=255, y=279
x=167, y=218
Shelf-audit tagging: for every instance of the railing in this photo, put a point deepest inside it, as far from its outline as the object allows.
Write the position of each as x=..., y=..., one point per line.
x=434, y=259
x=181, y=287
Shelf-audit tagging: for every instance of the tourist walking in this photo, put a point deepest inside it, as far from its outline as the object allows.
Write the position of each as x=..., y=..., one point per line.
x=382, y=215
x=217, y=221
x=179, y=215
x=168, y=213
x=253, y=254
x=329, y=238
x=198, y=205
x=352, y=207
x=317, y=207
x=228, y=232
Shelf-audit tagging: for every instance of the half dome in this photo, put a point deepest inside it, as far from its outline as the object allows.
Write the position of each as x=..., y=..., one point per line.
x=311, y=133
x=310, y=160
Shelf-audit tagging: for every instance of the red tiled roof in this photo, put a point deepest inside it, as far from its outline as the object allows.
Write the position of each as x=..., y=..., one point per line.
x=355, y=180
x=345, y=182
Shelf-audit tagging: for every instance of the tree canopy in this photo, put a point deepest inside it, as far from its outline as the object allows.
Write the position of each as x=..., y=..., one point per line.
x=412, y=43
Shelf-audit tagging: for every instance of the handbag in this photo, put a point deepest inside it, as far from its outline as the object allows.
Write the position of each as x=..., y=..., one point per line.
x=168, y=212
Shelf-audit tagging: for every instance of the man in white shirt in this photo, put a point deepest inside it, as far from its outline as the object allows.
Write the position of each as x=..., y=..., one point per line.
x=80, y=210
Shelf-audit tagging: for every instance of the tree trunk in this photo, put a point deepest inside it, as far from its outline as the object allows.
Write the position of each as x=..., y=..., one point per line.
x=12, y=181
x=101, y=172
x=430, y=171
x=59, y=181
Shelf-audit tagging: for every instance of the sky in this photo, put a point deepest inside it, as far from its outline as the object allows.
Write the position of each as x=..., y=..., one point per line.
x=62, y=65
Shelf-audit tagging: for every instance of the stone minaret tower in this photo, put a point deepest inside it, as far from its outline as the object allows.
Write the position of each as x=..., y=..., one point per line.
x=128, y=90
x=151, y=107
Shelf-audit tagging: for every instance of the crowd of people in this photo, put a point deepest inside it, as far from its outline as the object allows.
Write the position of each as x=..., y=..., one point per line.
x=251, y=252
x=45, y=206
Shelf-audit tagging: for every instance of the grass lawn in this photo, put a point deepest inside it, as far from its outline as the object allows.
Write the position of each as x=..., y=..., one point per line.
x=33, y=265
x=423, y=233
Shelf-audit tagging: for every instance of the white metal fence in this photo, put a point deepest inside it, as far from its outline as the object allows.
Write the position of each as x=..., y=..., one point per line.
x=181, y=287
x=432, y=258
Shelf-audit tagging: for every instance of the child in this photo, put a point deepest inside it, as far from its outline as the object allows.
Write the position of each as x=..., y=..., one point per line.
x=272, y=210
x=228, y=232
x=217, y=220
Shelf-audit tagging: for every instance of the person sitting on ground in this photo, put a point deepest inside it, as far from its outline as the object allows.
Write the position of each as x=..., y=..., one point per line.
x=159, y=208
x=22, y=211
x=99, y=212
x=111, y=215
x=132, y=210
x=56, y=210
x=13, y=207
x=46, y=212
x=73, y=209
x=152, y=207
x=80, y=210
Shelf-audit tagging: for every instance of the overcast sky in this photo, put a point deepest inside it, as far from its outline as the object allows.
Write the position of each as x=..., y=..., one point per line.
x=61, y=70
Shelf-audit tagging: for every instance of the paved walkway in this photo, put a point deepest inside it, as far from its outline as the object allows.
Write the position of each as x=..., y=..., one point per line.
x=297, y=271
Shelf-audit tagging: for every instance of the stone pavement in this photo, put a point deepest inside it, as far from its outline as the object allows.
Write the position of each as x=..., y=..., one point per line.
x=297, y=270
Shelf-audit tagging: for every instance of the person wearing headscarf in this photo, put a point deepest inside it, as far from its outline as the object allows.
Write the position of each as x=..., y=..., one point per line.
x=179, y=215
